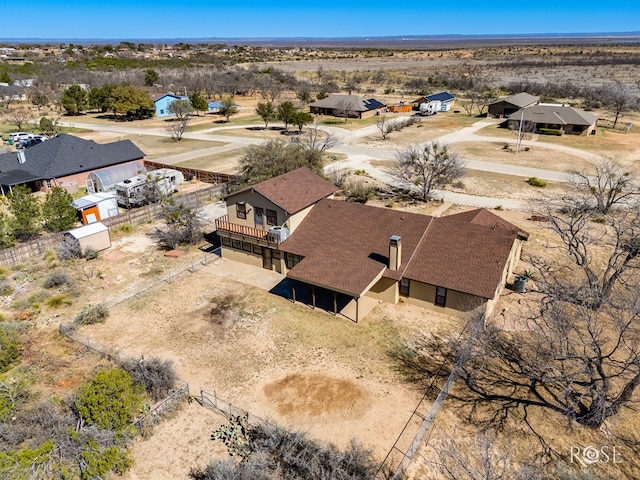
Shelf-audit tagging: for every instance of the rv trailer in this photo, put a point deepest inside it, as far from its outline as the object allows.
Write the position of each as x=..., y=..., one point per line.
x=148, y=188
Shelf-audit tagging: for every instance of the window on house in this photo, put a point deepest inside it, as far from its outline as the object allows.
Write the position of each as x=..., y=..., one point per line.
x=257, y=249
x=275, y=254
x=441, y=296
x=241, y=210
x=272, y=217
x=292, y=260
x=48, y=182
x=237, y=244
x=225, y=241
x=259, y=215
x=246, y=246
x=404, y=287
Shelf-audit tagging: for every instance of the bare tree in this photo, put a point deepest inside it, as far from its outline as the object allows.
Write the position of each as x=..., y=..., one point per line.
x=566, y=358
x=19, y=116
x=470, y=103
x=606, y=254
x=481, y=459
x=607, y=183
x=385, y=126
x=428, y=166
x=618, y=99
x=344, y=109
x=316, y=139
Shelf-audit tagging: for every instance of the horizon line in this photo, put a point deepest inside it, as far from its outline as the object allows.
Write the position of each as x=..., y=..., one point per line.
x=317, y=38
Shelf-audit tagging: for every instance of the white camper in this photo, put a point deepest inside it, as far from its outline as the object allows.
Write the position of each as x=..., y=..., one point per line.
x=147, y=188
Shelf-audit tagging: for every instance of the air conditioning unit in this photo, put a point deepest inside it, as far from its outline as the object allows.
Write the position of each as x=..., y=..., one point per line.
x=280, y=233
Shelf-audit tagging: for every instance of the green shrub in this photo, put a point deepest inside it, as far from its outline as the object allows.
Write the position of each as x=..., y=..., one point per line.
x=56, y=279
x=4, y=272
x=358, y=190
x=110, y=401
x=458, y=184
x=551, y=131
x=9, y=348
x=498, y=207
x=6, y=288
x=19, y=464
x=58, y=301
x=536, y=182
x=90, y=254
x=92, y=314
x=100, y=461
x=68, y=250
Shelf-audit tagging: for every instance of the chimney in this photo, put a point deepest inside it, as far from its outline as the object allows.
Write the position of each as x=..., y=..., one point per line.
x=395, y=252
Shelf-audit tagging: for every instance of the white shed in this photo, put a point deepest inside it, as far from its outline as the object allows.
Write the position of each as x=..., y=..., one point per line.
x=95, y=207
x=93, y=236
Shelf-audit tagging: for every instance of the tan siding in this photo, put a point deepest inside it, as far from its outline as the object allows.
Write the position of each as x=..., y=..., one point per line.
x=242, y=256
x=386, y=290
x=424, y=295
x=296, y=219
x=253, y=200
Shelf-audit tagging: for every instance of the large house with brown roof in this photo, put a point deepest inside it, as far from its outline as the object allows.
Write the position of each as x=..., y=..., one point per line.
x=358, y=255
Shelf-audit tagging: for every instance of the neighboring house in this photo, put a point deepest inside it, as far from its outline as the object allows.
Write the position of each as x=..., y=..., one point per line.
x=554, y=117
x=353, y=256
x=65, y=161
x=504, y=107
x=214, y=106
x=437, y=102
x=162, y=104
x=351, y=106
x=12, y=93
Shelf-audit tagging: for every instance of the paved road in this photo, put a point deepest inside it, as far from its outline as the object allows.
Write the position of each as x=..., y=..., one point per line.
x=360, y=157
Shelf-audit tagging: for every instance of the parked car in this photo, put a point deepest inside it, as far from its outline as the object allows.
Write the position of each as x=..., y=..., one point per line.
x=29, y=142
x=16, y=137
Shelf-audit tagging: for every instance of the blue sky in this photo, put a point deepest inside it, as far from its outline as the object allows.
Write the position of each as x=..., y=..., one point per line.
x=162, y=19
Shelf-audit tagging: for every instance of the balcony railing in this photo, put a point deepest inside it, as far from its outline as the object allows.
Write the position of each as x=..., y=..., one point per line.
x=223, y=225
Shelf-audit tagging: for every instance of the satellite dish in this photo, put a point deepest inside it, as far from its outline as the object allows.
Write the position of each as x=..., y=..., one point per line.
x=21, y=157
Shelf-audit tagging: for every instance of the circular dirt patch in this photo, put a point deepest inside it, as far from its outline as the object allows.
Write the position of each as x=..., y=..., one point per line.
x=312, y=395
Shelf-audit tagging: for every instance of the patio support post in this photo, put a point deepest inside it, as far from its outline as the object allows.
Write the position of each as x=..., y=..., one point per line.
x=313, y=296
x=293, y=291
x=335, y=304
x=357, y=304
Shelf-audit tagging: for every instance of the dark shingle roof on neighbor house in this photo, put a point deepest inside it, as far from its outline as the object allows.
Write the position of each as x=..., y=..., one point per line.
x=346, y=248
x=293, y=191
x=348, y=102
x=519, y=100
x=65, y=155
x=554, y=114
x=436, y=97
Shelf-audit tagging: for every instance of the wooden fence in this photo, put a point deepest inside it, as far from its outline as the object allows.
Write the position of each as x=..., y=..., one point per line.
x=202, y=175
x=13, y=255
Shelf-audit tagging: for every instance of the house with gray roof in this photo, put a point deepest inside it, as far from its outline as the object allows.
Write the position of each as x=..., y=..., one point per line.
x=557, y=117
x=64, y=161
x=503, y=107
x=347, y=106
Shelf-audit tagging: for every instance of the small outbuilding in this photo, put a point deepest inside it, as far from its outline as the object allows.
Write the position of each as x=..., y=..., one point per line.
x=93, y=236
x=93, y=208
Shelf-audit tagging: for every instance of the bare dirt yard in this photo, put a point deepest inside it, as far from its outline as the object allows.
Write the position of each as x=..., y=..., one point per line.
x=285, y=362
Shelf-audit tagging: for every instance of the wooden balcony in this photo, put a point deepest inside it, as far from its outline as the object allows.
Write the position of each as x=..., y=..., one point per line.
x=248, y=234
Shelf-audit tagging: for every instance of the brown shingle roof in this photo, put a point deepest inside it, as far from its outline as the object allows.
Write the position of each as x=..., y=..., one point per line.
x=482, y=216
x=462, y=256
x=346, y=245
x=294, y=191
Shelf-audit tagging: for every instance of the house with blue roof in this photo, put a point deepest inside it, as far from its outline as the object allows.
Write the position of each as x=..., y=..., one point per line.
x=162, y=104
x=434, y=103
